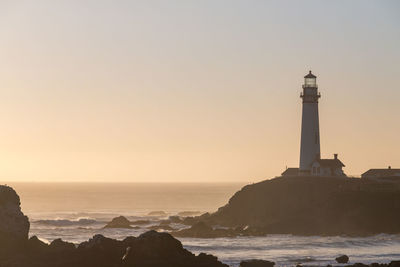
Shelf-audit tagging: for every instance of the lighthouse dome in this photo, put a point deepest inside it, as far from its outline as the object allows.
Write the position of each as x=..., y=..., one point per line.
x=310, y=75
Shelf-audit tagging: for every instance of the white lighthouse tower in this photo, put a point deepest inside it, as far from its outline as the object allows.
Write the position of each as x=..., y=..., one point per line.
x=310, y=151
x=310, y=146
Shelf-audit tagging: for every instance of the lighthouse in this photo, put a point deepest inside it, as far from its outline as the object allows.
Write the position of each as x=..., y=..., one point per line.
x=310, y=146
x=310, y=151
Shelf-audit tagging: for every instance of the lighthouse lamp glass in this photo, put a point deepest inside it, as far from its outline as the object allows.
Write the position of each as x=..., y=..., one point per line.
x=310, y=82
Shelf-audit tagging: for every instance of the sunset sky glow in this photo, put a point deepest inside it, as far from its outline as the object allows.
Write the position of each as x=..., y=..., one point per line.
x=193, y=91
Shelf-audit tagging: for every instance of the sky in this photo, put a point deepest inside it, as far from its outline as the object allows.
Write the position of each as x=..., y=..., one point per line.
x=193, y=91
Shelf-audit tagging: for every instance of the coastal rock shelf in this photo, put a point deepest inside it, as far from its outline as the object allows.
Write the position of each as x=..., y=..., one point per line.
x=313, y=206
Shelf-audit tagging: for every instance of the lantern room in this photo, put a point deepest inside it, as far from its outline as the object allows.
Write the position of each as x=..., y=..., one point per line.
x=310, y=81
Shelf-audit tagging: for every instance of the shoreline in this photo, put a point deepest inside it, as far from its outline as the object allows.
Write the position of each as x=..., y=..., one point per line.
x=99, y=250
x=37, y=252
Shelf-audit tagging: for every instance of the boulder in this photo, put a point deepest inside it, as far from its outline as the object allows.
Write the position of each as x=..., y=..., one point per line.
x=128, y=240
x=119, y=222
x=99, y=242
x=14, y=225
x=37, y=245
x=257, y=263
x=153, y=249
x=342, y=259
x=60, y=245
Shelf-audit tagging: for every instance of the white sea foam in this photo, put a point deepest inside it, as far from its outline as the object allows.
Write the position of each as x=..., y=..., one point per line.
x=66, y=222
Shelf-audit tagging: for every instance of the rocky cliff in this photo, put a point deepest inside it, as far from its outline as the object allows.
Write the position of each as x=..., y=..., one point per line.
x=313, y=206
x=14, y=225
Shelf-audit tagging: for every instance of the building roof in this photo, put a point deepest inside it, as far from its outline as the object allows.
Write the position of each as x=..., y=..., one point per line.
x=332, y=163
x=381, y=172
x=290, y=172
x=310, y=75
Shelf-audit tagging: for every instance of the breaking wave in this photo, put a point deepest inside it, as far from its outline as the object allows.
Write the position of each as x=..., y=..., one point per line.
x=65, y=222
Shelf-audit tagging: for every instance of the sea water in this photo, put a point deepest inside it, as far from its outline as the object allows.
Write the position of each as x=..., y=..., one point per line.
x=77, y=211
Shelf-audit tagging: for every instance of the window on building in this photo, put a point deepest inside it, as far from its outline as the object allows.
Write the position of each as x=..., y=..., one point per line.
x=318, y=170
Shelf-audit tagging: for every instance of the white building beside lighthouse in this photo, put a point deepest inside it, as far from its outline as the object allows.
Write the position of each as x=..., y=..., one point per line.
x=310, y=150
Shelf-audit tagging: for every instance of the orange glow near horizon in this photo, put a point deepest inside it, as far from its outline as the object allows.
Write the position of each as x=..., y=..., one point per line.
x=193, y=91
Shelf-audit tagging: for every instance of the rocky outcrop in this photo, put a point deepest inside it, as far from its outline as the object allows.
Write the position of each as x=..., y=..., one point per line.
x=342, y=259
x=60, y=245
x=313, y=206
x=161, y=249
x=119, y=222
x=151, y=249
x=14, y=225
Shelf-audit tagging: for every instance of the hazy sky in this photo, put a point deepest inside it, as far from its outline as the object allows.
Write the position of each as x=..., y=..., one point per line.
x=193, y=91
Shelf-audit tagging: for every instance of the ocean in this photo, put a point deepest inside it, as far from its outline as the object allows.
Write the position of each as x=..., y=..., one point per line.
x=77, y=211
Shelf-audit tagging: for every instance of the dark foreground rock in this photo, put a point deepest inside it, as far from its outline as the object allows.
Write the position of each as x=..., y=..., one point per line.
x=14, y=225
x=151, y=249
x=61, y=245
x=119, y=222
x=342, y=259
x=312, y=206
x=257, y=263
